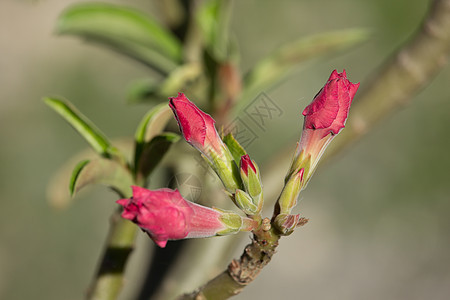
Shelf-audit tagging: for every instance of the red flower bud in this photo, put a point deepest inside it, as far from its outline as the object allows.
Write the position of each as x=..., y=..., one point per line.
x=165, y=215
x=246, y=162
x=330, y=107
x=197, y=126
x=324, y=119
x=199, y=131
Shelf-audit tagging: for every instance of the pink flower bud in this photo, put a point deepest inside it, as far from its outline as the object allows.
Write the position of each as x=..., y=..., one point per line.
x=197, y=126
x=251, y=179
x=329, y=109
x=324, y=119
x=165, y=215
x=199, y=131
x=246, y=163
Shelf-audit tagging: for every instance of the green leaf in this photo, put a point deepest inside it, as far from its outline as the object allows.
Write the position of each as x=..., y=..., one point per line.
x=179, y=79
x=75, y=173
x=96, y=139
x=101, y=171
x=273, y=68
x=144, y=90
x=151, y=125
x=125, y=30
x=154, y=151
x=58, y=195
x=235, y=148
x=213, y=18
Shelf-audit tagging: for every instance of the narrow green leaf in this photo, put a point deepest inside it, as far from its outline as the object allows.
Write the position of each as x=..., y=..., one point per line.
x=235, y=148
x=153, y=122
x=154, y=151
x=144, y=90
x=213, y=18
x=273, y=68
x=101, y=171
x=96, y=139
x=58, y=195
x=125, y=30
x=75, y=174
x=180, y=79
x=151, y=125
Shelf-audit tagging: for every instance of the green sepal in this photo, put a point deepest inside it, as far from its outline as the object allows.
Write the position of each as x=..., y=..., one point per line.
x=285, y=223
x=245, y=203
x=231, y=220
x=235, y=148
x=299, y=162
x=291, y=190
x=252, y=182
x=226, y=169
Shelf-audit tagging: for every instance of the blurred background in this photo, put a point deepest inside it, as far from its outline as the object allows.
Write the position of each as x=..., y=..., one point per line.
x=379, y=225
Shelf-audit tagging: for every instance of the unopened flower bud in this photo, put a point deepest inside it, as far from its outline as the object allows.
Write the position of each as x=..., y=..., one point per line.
x=251, y=179
x=198, y=130
x=286, y=223
x=165, y=215
x=245, y=203
x=325, y=117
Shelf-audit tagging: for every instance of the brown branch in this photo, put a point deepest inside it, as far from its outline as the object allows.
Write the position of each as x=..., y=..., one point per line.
x=240, y=272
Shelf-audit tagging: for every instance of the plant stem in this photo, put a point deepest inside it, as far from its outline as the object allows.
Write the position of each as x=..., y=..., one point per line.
x=240, y=272
x=108, y=281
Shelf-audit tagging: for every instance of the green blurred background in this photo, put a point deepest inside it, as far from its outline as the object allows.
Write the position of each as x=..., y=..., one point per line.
x=379, y=225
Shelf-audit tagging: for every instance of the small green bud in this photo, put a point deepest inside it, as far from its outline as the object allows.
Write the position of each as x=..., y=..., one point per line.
x=286, y=223
x=245, y=203
x=252, y=181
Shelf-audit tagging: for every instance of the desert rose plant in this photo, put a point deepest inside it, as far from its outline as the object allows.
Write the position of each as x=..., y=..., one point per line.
x=191, y=51
x=164, y=215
